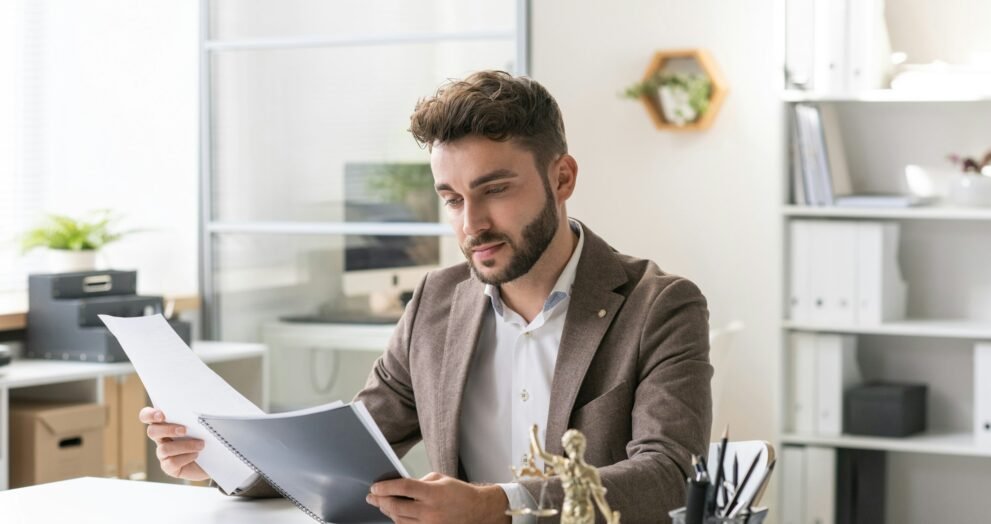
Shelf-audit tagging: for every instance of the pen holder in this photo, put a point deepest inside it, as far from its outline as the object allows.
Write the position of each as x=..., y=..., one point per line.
x=756, y=517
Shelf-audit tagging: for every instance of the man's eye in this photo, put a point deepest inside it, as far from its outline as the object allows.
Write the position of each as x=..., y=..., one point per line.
x=453, y=202
x=495, y=190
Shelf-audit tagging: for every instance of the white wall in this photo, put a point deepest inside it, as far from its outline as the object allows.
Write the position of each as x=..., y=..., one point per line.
x=703, y=205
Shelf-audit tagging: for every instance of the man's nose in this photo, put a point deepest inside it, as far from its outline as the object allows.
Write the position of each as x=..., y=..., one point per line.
x=475, y=219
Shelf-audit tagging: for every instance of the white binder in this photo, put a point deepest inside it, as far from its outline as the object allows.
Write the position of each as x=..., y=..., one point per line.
x=834, y=272
x=800, y=289
x=820, y=485
x=982, y=394
x=829, y=62
x=869, y=50
x=802, y=386
x=836, y=371
x=880, y=288
x=793, y=480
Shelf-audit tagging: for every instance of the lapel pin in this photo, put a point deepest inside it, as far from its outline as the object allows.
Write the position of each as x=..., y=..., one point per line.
x=602, y=313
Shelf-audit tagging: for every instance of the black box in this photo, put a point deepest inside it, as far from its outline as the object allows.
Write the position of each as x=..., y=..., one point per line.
x=885, y=409
x=83, y=284
x=63, y=314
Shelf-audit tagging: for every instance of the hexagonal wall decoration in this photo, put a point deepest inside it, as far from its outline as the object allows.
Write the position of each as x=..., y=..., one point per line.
x=688, y=61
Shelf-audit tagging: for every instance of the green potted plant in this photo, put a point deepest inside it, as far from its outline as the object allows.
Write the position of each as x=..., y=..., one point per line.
x=72, y=244
x=683, y=97
x=973, y=186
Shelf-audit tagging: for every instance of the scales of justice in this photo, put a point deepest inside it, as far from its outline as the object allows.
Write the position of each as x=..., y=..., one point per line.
x=579, y=480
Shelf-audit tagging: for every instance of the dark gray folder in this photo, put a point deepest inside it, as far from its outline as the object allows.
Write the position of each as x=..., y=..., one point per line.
x=323, y=459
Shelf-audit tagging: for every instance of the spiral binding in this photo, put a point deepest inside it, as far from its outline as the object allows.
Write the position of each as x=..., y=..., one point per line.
x=268, y=479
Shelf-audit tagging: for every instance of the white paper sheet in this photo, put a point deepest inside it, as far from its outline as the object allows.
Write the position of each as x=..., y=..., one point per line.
x=182, y=386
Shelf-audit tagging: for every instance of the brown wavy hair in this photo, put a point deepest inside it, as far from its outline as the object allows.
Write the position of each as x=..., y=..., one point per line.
x=495, y=105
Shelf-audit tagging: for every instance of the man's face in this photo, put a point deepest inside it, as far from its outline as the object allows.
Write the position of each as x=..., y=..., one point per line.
x=503, y=212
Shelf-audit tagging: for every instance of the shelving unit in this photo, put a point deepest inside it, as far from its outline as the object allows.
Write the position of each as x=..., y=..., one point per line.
x=943, y=254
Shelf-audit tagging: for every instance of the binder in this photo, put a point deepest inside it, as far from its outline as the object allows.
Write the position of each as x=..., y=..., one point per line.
x=793, y=479
x=323, y=459
x=820, y=485
x=881, y=290
x=799, y=48
x=800, y=302
x=830, y=49
x=802, y=394
x=834, y=270
x=982, y=394
x=861, y=485
x=836, y=371
x=869, y=48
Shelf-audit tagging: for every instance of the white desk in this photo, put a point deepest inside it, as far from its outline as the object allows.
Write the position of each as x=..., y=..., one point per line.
x=110, y=501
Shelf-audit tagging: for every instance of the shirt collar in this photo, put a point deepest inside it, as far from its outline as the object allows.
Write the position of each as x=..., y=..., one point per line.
x=562, y=288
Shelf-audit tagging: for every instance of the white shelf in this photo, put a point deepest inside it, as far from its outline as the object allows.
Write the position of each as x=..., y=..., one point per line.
x=911, y=213
x=965, y=329
x=884, y=95
x=31, y=372
x=936, y=443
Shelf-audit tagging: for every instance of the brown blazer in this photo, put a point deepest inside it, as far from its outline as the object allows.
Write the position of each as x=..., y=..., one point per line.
x=632, y=374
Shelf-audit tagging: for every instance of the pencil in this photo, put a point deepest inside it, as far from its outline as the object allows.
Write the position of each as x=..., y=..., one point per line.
x=739, y=489
x=719, y=469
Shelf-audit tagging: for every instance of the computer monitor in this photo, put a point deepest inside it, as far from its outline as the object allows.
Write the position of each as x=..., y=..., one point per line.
x=394, y=192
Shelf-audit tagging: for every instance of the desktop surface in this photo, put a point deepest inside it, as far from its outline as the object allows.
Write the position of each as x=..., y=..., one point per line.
x=111, y=501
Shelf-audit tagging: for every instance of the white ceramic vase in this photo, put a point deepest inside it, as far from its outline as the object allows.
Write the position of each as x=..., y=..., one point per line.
x=68, y=261
x=971, y=191
x=676, y=105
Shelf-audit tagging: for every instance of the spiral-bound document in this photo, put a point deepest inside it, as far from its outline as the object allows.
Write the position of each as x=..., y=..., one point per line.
x=323, y=459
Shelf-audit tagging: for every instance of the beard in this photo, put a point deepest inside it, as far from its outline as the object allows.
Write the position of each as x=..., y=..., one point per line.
x=537, y=235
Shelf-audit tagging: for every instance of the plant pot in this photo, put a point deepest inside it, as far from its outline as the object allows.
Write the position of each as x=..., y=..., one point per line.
x=676, y=105
x=68, y=261
x=971, y=191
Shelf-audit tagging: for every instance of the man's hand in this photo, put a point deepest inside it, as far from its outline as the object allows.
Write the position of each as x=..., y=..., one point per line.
x=177, y=457
x=439, y=499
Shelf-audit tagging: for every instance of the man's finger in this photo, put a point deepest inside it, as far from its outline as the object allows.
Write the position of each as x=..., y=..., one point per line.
x=193, y=471
x=409, y=488
x=173, y=465
x=157, y=432
x=398, y=508
x=149, y=415
x=178, y=447
x=433, y=475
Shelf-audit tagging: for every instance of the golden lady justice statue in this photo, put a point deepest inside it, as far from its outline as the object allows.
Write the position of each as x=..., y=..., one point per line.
x=580, y=481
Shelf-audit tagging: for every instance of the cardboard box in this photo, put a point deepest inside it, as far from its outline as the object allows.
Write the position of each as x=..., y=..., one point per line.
x=55, y=441
x=125, y=442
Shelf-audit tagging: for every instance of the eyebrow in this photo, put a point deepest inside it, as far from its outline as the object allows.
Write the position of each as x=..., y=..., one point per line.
x=498, y=174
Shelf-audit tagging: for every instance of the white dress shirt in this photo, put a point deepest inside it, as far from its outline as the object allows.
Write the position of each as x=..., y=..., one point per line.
x=509, y=385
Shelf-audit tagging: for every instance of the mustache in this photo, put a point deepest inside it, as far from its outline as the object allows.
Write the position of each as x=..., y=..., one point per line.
x=487, y=237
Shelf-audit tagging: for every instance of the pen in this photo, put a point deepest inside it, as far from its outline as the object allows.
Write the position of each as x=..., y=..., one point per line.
x=695, y=501
x=739, y=488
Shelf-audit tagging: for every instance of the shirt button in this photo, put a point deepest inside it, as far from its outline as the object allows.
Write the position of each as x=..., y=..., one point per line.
x=526, y=334
x=524, y=395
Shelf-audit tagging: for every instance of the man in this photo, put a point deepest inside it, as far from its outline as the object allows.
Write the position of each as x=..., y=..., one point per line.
x=544, y=324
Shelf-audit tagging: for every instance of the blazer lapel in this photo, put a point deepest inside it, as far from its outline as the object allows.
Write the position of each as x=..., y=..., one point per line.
x=594, y=304
x=467, y=312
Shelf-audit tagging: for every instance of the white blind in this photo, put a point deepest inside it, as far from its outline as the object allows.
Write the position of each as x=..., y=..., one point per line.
x=21, y=133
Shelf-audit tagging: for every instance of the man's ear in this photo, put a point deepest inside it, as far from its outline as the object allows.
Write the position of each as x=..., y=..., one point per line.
x=564, y=175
